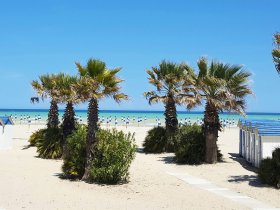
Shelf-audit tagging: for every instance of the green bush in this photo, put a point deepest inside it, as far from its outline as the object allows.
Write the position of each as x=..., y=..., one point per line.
x=191, y=145
x=276, y=155
x=171, y=143
x=50, y=145
x=269, y=171
x=112, y=157
x=155, y=141
x=39, y=134
x=74, y=154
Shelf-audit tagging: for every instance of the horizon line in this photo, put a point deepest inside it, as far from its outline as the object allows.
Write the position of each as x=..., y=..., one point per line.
x=130, y=110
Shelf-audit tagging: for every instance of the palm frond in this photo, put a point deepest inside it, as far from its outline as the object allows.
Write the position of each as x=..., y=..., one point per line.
x=224, y=86
x=120, y=97
x=96, y=81
x=202, y=66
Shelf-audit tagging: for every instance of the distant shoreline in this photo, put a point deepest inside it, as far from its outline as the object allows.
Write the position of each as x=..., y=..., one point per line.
x=134, y=111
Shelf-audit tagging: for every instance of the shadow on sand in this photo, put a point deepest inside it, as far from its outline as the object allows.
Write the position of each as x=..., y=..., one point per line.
x=75, y=179
x=140, y=150
x=251, y=179
x=236, y=157
x=168, y=160
x=26, y=147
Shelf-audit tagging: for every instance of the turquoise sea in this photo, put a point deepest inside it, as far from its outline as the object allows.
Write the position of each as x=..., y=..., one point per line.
x=148, y=118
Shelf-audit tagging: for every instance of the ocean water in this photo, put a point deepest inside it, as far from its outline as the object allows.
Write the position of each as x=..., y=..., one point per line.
x=147, y=118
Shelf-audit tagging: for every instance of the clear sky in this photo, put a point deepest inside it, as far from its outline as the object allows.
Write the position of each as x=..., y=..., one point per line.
x=47, y=36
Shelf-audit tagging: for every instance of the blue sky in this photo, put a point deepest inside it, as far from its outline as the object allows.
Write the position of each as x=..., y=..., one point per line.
x=40, y=37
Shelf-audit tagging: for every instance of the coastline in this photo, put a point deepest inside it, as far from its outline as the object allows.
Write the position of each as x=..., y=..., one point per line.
x=130, y=118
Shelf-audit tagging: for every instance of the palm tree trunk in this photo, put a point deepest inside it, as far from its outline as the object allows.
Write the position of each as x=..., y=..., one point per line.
x=211, y=128
x=91, y=135
x=171, y=121
x=53, y=115
x=68, y=124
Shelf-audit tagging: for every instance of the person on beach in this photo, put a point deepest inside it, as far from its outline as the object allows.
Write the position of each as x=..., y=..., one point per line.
x=29, y=121
x=180, y=123
x=159, y=123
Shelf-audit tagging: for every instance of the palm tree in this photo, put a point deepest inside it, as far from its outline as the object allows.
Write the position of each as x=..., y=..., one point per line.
x=223, y=87
x=65, y=87
x=168, y=79
x=96, y=82
x=276, y=52
x=46, y=88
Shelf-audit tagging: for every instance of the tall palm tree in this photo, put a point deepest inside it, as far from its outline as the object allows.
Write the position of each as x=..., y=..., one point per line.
x=223, y=87
x=46, y=88
x=168, y=79
x=65, y=87
x=96, y=82
x=276, y=52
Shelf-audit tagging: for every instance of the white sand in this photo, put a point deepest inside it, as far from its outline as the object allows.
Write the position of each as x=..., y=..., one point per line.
x=27, y=182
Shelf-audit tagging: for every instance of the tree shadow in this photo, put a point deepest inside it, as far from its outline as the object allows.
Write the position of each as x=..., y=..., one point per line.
x=140, y=150
x=62, y=176
x=20, y=139
x=252, y=180
x=26, y=147
x=168, y=160
x=236, y=157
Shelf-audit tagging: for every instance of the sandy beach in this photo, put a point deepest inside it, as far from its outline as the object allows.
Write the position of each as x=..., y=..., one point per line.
x=28, y=182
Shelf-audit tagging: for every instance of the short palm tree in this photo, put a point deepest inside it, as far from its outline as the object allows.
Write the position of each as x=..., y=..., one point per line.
x=65, y=87
x=46, y=88
x=276, y=52
x=96, y=82
x=168, y=79
x=223, y=87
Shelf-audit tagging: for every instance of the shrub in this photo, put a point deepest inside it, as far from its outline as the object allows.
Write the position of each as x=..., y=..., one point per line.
x=74, y=154
x=155, y=141
x=112, y=157
x=276, y=156
x=50, y=145
x=269, y=171
x=191, y=145
x=39, y=134
x=171, y=143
